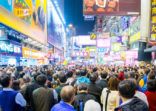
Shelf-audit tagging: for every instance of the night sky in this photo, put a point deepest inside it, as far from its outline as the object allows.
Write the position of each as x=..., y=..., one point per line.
x=73, y=12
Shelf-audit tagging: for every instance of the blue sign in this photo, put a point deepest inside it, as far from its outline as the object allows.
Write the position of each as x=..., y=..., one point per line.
x=10, y=48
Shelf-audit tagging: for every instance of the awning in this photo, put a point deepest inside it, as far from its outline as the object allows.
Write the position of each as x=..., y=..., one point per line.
x=152, y=49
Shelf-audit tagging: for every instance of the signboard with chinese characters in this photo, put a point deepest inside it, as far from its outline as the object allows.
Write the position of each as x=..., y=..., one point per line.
x=10, y=48
x=153, y=20
x=31, y=53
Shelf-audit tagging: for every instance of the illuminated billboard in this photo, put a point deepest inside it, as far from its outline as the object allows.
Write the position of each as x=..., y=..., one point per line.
x=153, y=20
x=56, y=29
x=25, y=16
x=111, y=7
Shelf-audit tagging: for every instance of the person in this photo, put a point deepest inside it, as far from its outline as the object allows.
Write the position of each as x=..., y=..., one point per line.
x=93, y=88
x=110, y=95
x=43, y=97
x=29, y=91
x=143, y=80
x=10, y=100
x=82, y=97
x=92, y=105
x=83, y=78
x=62, y=82
x=71, y=79
x=151, y=94
x=16, y=85
x=102, y=83
x=127, y=89
x=67, y=96
x=139, y=94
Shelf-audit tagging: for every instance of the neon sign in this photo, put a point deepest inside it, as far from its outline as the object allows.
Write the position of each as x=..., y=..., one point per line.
x=10, y=48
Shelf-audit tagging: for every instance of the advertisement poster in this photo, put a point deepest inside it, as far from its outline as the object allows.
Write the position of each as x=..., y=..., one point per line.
x=111, y=7
x=153, y=20
x=56, y=30
x=22, y=15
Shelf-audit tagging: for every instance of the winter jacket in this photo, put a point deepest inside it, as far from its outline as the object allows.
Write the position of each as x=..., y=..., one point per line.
x=135, y=104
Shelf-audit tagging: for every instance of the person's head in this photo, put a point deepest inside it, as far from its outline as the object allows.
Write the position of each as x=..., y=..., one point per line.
x=5, y=80
x=41, y=79
x=92, y=105
x=93, y=77
x=95, y=69
x=104, y=75
x=83, y=72
x=151, y=85
x=127, y=89
x=67, y=94
x=82, y=88
x=113, y=83
x=69, y=74
x=151, y=76
x=35, y=75
x=126, y=75
x=16, y=85
x=26, y=79
x=62, y=78
x=132, y=75
x=147, y=71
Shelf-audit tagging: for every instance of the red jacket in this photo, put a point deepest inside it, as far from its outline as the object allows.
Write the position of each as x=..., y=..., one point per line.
x=151, y=97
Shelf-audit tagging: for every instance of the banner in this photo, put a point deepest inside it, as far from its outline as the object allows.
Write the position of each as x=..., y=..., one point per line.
x=25, y=16
x=153, y=20
x=112, y=7
x=31, y=53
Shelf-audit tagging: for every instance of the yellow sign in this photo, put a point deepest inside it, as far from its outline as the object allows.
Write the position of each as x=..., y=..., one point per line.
x=93, y=36
x=25, y=16
x=116, y=47
x=135, y=37
x=31, y=53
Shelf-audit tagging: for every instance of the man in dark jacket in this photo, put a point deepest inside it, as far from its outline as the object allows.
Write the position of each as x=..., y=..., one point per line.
x=62, y=82
x=102, y=83
x=127, y=90
x=82, y=97
x=43, y=97
x=93, y=88
x=29, y=91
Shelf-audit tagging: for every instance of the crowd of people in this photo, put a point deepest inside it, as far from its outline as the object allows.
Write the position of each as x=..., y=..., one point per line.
x=78, y=88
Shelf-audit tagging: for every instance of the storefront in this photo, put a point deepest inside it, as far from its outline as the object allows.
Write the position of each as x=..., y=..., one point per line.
x=32, y=57
x=10, y=53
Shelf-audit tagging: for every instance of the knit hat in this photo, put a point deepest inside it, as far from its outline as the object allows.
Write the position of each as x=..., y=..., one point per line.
x=92, y=105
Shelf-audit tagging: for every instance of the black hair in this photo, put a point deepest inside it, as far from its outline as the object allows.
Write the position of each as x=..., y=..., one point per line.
x=16, y=85
x=83, y=72
x=69, y=74
x=132, y=75
x=82, y=87
x=95, y=69
x=127, y=88
x=93, y=77
x=104, y=74
x=5, y=80
x=151, y=85
x=62, y=78
x=41, y=79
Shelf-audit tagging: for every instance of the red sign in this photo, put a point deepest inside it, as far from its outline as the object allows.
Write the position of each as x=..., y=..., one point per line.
x=112, y=7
